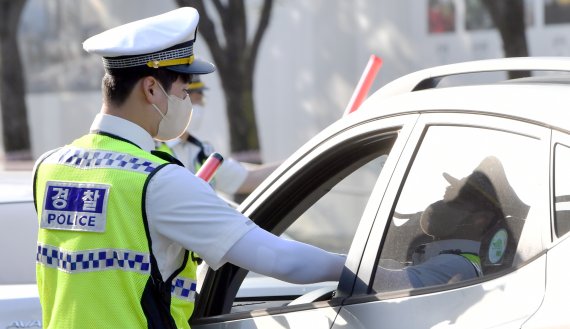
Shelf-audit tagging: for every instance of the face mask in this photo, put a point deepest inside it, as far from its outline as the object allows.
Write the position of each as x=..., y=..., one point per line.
x=176, y=119
x=197, y=117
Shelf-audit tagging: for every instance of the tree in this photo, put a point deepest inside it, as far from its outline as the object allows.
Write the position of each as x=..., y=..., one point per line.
x=235, y=61
x=509, y=18
x=12, y=86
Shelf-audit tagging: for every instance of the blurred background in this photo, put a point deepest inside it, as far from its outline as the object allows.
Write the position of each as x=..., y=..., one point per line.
x=286, y=68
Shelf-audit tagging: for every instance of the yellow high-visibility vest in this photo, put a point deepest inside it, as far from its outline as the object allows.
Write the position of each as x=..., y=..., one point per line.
x=95, y=267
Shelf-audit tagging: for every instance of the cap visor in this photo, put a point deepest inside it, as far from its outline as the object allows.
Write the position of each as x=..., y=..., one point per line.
x=197, y=67
x=452, y=180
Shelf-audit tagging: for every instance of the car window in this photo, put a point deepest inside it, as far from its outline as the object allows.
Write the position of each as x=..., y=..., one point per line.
x=561, y=190
x=462, y=209
x=321, y=204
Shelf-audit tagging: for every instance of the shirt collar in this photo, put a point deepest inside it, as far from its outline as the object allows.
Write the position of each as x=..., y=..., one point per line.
x=123, y=128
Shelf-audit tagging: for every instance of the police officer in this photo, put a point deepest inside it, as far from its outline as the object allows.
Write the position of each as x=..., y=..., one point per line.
x=119, y=226
x=233, y=177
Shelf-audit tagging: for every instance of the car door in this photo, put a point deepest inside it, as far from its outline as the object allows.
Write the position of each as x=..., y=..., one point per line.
x=327, y=194
x=511, y=287
x=552, y=312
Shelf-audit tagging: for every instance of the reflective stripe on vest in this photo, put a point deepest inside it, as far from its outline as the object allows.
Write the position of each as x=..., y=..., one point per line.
x=96, y=159
x=184, y=288
x=93, y=260
x=102, y=275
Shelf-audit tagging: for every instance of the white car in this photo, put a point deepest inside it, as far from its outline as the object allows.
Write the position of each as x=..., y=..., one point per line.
x=376, y=173
x=19, y=302
x=364, y=186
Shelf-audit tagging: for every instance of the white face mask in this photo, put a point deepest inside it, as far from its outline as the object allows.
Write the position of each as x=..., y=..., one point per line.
x=197, y=118
x=176, y=119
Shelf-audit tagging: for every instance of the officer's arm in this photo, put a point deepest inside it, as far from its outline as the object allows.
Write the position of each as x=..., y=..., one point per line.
x=255, y=175
x=292, y=261
x=236, y=177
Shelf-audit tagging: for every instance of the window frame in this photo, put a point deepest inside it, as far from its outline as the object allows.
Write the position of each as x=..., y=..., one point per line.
x=562, y=139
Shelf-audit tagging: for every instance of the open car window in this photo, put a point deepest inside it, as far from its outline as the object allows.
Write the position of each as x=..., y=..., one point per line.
x=330, y=223
x=320, y=202
x=326, y=215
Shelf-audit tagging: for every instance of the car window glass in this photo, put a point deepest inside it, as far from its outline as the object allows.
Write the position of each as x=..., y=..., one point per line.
x=462, y=208
x=562, y=190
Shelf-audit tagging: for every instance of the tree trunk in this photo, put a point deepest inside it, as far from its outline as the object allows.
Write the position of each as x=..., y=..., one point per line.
x=509, y=18
x=240, y=110
x=12, y=86
x=235, y=62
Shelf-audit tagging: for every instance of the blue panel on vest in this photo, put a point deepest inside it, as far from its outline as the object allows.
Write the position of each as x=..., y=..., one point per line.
x=69, y=198
x=75, y=206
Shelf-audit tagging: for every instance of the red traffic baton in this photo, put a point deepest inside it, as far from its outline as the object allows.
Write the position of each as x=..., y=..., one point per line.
x=208, y=169
x=361, y=90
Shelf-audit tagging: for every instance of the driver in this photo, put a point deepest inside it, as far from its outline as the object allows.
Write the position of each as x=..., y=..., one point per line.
x=457, y=224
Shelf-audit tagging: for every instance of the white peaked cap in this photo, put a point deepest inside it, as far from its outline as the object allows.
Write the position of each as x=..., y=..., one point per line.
x=164, y=40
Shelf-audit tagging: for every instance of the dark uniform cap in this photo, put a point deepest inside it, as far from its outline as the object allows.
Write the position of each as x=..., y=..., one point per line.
x=196, y=84
x=486, y=187
x=490, y=180
x=164, y=41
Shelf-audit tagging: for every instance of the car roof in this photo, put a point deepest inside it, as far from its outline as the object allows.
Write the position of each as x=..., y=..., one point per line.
x=535, y=99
